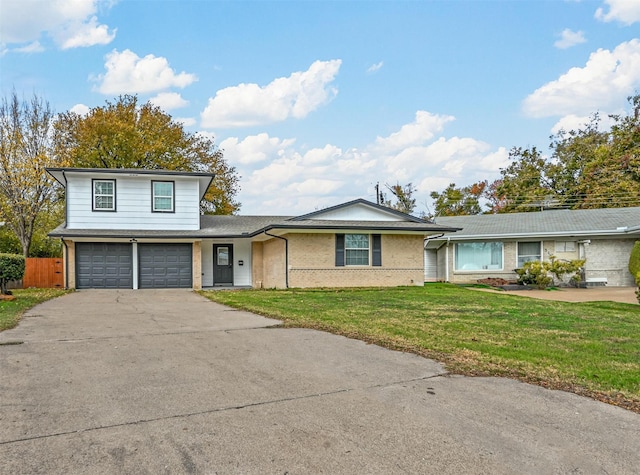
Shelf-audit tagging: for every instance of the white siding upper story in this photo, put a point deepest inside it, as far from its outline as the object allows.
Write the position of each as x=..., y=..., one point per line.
x=133, y=204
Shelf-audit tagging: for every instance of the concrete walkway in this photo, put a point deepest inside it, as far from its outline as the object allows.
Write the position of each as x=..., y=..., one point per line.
x=168, y=382
x=595, y=294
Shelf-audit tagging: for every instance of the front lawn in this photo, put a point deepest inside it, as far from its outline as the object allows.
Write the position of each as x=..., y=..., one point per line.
x=587, y=348
x=11, y=310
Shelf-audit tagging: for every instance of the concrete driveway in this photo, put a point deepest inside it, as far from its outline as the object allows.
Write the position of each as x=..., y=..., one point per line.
x=168, y=382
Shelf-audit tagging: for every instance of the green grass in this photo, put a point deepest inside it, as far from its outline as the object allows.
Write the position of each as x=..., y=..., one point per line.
x=11, y=310
x=587, y=348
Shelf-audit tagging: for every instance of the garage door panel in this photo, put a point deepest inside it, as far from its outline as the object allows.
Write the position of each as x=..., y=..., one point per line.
x=165, y=265
x=104, y=266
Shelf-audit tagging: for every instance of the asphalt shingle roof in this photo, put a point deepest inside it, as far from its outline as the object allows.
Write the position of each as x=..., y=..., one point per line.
x=582, y=221
x=247, y=226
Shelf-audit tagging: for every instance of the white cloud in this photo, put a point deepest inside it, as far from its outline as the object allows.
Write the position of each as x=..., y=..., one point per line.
x=624, y=11
x=375, y=67
x=295, y=96
x=86, y=34
x=575, y=122
x=169, y=101
x=422, y=129
x=569, y=38
x=602, y=84
x=278, y=178
x=186, y=121
x=80, y=109
x=34, y=47
x=70, y=23
x=254, y=149
x=129, y=73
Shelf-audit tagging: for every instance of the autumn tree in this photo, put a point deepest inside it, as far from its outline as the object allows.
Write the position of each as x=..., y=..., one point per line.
x=124, y=134
x=402, y=200
x=26, y=192
x=525, y=184
x=457, y=201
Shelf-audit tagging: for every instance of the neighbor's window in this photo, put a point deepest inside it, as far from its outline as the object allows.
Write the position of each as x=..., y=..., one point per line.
x=104, y=195
x=529, y=251
x=356, y=249
x=478, y=256
x=162, y=196
x=565, y=246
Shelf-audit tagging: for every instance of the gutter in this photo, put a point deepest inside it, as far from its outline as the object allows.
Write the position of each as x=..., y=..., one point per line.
x=286, y=258
x=427, y=239
x=608, y=232
x=66, y=206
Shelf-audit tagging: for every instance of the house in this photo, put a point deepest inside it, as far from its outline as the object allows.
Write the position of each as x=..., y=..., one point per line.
x=137, y=229
x=493, y=245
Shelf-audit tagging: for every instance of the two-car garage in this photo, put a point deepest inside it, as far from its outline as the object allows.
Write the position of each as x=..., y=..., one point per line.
x=112, y=265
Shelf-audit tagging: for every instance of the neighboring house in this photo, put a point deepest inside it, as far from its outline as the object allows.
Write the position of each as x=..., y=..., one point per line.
x=493, y=245
x=143, y=229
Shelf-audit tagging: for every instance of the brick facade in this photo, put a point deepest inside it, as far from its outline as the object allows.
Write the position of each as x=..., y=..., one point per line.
x=312, y=263
x=606, y=258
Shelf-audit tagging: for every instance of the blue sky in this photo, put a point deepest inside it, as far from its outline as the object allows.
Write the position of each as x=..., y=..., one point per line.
x=315, y=101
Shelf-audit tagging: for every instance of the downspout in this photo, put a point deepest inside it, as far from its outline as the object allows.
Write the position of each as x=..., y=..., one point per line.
x=66, y=206
x=446, y=276
x=286, y=258
x=66, y=223
x=66, y=263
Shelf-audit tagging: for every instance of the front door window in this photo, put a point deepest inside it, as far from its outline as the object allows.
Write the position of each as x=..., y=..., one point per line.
x=223, y=256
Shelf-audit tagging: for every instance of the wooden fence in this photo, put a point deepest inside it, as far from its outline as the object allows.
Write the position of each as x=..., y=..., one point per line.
x=43, y=272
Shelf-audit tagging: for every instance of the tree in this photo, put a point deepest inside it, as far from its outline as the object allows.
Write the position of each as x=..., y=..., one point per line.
x=525, y=185
x=403, y=194
x=122, y=134
x=455, y=201
x=11, y=268
x=25, y=151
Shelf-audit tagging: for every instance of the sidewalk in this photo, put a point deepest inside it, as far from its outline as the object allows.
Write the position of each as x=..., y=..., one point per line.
x=614, y=294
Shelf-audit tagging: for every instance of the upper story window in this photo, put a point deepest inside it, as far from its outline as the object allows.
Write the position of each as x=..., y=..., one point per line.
x=529, y=251
x=163, y=199
x=104, y=195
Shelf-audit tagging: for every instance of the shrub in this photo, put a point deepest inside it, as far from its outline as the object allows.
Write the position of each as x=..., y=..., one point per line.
x=534, y=273
x=541, y=274
x=11, y=268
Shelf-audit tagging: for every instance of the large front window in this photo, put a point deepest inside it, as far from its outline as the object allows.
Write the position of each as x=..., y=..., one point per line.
x=162, y=196
x=478, y=256
x=356, y=247
x=529, y=251
x=104, y=195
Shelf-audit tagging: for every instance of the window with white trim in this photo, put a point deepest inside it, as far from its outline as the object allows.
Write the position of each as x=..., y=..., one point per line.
x=163, y=196
x=565, y=246
x=529, y=251
x=356, y=249
x=478, y=256
x=104, y=195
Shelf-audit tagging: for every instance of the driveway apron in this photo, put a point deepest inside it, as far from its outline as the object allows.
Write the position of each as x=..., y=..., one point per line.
x=165, y=381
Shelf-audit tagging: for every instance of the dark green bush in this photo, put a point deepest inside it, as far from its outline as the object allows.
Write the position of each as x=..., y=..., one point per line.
x=11, y=268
